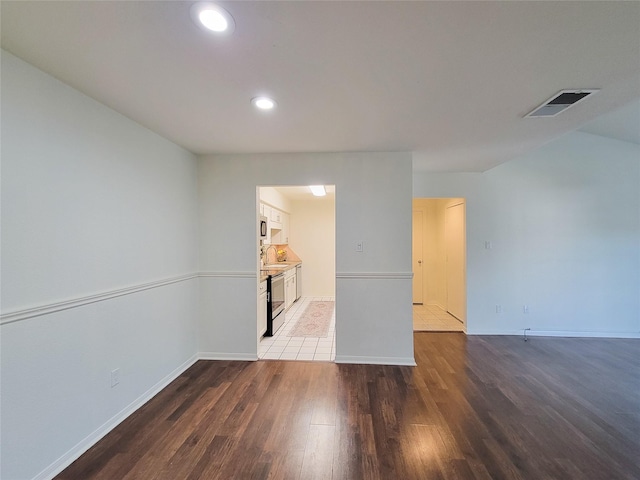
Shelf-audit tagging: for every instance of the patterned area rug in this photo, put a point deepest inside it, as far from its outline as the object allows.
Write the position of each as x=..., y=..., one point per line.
x=314, y=321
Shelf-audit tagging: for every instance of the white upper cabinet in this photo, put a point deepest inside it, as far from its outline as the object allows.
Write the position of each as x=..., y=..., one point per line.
x=277, y=225
x=276, y=219
x=266, y=211
x=284, y=233
x=280, y=234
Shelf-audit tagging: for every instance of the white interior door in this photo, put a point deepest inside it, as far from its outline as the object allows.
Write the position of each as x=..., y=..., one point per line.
x=455, y=263
x=417, y=259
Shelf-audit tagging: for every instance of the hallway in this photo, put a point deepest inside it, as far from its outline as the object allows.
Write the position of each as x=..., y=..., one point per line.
x=432, y=318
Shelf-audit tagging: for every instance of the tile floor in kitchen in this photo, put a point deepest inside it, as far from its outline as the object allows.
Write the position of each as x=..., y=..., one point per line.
x=283, y=347
x=431, y=318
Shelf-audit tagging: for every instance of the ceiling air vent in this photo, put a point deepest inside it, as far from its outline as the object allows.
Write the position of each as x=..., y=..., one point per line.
x=560, y=102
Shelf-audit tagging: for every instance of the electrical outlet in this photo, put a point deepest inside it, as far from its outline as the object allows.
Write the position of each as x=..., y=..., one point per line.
x=360, y=246
x=525, y=309
x=115, y=377
x=498, y=308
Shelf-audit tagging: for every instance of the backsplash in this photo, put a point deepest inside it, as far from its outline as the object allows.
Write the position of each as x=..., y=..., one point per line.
x=289, y=253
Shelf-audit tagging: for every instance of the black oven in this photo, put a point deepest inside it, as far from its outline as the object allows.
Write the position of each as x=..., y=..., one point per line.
x=275, y=303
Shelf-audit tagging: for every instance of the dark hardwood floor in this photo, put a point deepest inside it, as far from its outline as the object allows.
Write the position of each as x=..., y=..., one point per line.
x=473, y=408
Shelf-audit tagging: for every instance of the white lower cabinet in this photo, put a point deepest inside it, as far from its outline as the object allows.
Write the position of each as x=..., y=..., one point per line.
x=289, y=288
x=262, y=309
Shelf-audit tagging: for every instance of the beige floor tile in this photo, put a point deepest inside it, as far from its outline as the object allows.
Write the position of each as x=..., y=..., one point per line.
x=305, y=356
x=288, y=356
x=434, y=318
x=271, y=356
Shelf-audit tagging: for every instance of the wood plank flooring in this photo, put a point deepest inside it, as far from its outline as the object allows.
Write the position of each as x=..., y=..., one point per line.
x=474, y=408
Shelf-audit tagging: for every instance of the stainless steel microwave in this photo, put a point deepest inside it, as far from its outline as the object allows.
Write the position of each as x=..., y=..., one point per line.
x=263, y=227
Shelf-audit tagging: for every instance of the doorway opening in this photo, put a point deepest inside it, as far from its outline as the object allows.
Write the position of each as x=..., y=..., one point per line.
x=300, y=244
x=439, y=264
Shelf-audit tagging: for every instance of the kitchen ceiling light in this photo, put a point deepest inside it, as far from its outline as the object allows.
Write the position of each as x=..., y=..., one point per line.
x=263, y=103
x=212, y=18
x=318, y=190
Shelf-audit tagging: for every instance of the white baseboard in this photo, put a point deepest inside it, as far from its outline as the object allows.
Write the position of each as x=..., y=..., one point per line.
x=74, y=453
x=557, y=333
x=553, y=333
x=407, y=361
x=250, y=357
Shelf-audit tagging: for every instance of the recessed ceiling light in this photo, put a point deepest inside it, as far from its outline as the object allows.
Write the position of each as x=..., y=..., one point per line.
x=212, y=18
x=263, y=103
x=318, y=190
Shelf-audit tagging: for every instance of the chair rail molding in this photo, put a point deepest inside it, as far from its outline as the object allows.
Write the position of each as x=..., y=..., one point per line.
x=47, y=309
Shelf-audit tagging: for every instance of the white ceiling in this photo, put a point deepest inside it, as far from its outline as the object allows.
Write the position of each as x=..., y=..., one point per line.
x=449, y=81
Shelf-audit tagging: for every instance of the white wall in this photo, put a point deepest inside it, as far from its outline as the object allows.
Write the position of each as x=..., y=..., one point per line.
x=373, y=288
x=564, y=224
x=93, y=206
x=313, y=238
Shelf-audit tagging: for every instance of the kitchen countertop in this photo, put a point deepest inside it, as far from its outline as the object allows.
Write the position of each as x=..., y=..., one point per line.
x=265, y=272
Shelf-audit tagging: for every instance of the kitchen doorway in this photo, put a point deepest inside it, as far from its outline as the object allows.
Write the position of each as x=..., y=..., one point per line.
x=308, y=331
x=439, y=264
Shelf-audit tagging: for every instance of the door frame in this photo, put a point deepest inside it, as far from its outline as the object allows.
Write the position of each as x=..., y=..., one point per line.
x=434, y=286
x=419, y=269
x=463, y=253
